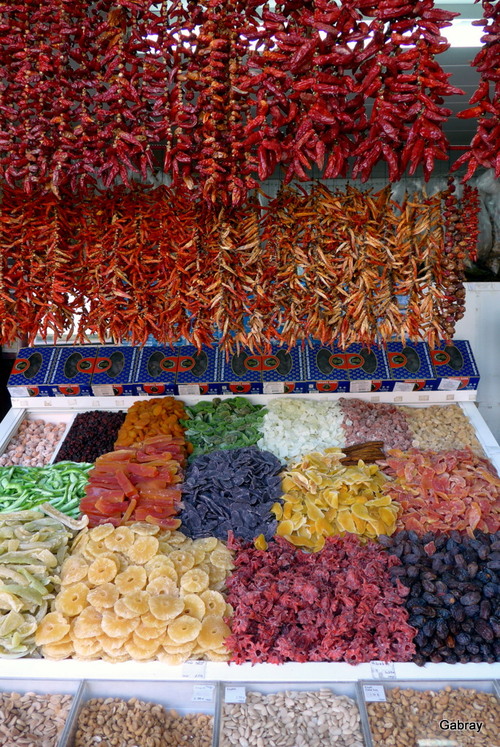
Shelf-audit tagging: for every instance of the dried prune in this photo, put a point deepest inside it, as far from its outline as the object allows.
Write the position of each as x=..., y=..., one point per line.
x=472, y=598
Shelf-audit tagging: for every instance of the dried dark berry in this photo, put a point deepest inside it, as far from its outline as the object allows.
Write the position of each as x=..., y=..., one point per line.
x=472, y=569
x=485, y=609
x=474, y=597
x=493, y=565
x=484, y=630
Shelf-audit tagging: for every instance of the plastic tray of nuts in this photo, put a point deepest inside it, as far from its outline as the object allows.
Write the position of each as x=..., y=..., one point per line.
x=300, y=714
x=35, y=712
x=133, y=713
x=431, y=713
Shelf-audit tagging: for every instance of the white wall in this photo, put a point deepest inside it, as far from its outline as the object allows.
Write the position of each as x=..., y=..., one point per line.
x=481, y=326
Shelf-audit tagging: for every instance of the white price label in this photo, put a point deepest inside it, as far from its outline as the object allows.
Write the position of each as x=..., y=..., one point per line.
x=235, y=695
x=273, y=387
x=103, y=390
x=360, y=385
x=203, y=693
x=374, y=693
x=404, y=386
x=449, y=385
x=383, y=670
x=194, y=670
x=187, y=389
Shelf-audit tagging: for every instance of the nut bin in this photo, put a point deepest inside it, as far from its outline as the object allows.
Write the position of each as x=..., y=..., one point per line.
x=41, y=715
x=299, y=714
x=116, y=720
x=424, y=713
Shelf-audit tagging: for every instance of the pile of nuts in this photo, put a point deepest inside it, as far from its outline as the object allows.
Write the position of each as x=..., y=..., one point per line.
x=292, y=719
x=34, y=444
x=411, y=717
x=31, y=720
x=135, y=723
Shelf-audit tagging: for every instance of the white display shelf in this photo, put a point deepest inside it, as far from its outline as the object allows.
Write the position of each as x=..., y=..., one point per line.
x=53, y=408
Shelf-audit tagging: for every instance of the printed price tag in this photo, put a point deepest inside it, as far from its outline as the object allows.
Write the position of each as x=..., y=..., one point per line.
x=449, y=385
x=103, y=390
x=437, y=743
x=404, y=386
x=273, y=387
x=383, y=670
x=194, y=670
x=235, y=695
x=360, y=385
x=186, y=389
x=203, y=693
x=374, y=693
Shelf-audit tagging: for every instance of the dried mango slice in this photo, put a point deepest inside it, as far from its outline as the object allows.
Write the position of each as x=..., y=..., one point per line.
x=184, y=629
x=103, y=596
x=52, y=628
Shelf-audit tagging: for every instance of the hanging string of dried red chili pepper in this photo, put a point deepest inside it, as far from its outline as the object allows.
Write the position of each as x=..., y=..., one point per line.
x=485, y=102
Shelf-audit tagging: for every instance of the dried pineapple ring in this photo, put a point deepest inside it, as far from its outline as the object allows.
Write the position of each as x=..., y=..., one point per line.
x=183, y=561
x=217, y=576
x=71, y=600
x=51, y=629
x=101, y=532
x=207, y=544
x=112, y=645
x=173, y=648
x=57, y=651
x=148, y=643
x=120, y=540
x=87, y=624
x=164, y=607
x=101, y=571
x=140, y=654
x=163, y=572
x=214, y=603
x=86, y=647
x=173, y=660
x=137, y=601
x=117, y=627
x=177, y=538
x=217, y=655
x=103, y=596
x=73, y=569
x=162, y=585
x=143, y=549
x=213, y=633
x=194, y=580
x=94, y=548
x=152, y=622
x=147, y=633
x=132, y=579
x=184, y=629
x=194, y=606
x=121, y=609
x=198, y=553
x=143, y=529
x=222, y=558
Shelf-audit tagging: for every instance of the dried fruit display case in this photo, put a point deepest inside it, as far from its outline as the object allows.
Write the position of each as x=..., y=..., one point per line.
x=37, y=709
x=186, y=710
x=65, y=410
x=430, y=712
